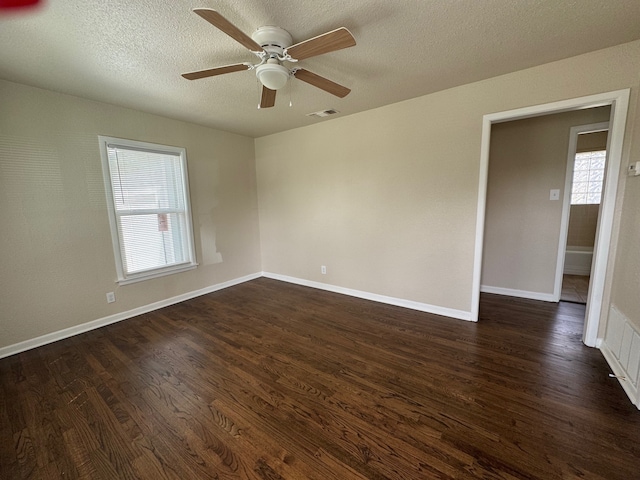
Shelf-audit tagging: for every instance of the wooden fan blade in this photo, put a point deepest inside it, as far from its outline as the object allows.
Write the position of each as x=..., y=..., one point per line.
x=221, y=23
x=325, y=43
x=212, y=72
x=322, y=83
x=268, y=98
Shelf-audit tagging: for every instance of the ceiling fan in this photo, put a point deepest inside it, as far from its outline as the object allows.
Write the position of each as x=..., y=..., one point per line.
x=273, y=46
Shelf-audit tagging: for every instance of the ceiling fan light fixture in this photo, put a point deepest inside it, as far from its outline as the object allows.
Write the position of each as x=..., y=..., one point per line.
x=272, y=75
x=273, y=46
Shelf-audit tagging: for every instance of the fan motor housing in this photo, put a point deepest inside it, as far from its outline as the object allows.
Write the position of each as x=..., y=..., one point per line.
x=274, y=40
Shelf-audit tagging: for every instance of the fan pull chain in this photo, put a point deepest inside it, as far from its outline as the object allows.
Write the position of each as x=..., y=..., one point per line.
x=259, y=92
x=290, y=101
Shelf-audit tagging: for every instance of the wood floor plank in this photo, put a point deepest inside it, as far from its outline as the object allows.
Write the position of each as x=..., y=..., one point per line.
x=267, y=380
x=237, y=397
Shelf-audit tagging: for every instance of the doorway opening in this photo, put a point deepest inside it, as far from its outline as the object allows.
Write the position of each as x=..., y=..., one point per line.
x=586, y=166
x=618, y=100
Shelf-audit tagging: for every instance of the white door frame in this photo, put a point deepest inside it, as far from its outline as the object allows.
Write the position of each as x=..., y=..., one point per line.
x=566, y=202
x=619, y=101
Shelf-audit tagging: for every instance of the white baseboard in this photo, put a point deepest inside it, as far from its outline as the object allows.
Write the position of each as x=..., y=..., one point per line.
x=118, y=317
x=545, y=297
x=399, y=302
x=577, y=270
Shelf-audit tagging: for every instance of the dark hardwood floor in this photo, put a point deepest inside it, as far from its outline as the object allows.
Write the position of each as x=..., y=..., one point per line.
x=268, y=380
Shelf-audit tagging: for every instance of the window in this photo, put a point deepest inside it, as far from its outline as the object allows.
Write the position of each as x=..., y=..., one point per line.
x=148, y=201
x=588, y=175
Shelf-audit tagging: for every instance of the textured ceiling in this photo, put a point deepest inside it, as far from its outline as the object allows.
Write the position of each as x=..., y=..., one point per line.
x=131, y=53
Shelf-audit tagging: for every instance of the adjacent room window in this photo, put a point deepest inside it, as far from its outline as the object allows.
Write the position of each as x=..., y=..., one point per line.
x=588, y=176
x=148, y=200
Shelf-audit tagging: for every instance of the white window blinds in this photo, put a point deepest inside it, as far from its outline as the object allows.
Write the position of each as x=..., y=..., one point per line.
x=151, y=221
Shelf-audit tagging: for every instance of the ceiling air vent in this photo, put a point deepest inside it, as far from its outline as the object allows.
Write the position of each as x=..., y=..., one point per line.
x=323, y=113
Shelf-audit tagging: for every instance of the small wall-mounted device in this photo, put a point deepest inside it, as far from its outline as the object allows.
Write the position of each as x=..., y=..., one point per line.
x=634, y=169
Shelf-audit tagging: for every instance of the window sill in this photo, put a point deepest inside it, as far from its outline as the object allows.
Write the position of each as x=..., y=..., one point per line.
x=149, y=276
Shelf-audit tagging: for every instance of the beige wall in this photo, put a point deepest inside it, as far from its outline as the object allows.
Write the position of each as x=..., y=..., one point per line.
x=56, y=256
x=625, y=281
x=384, y=205
x=522, y=228
x=583, y=220
x=387, y=198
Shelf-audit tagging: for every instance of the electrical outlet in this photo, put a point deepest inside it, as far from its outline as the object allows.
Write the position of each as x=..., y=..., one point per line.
x=323, y=270
x=111, y=297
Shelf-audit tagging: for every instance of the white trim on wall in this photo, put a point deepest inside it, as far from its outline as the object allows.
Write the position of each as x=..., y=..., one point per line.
x=118, y=317
x=619, y=101
x=510, y=292
x=621, y=349
x=398, y=302
x=583, y=272
x=619, y=372
x=604, y=229
x=480, y=217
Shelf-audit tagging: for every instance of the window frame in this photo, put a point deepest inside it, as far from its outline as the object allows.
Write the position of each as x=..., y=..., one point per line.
x=116, y=234
x=573, y=177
